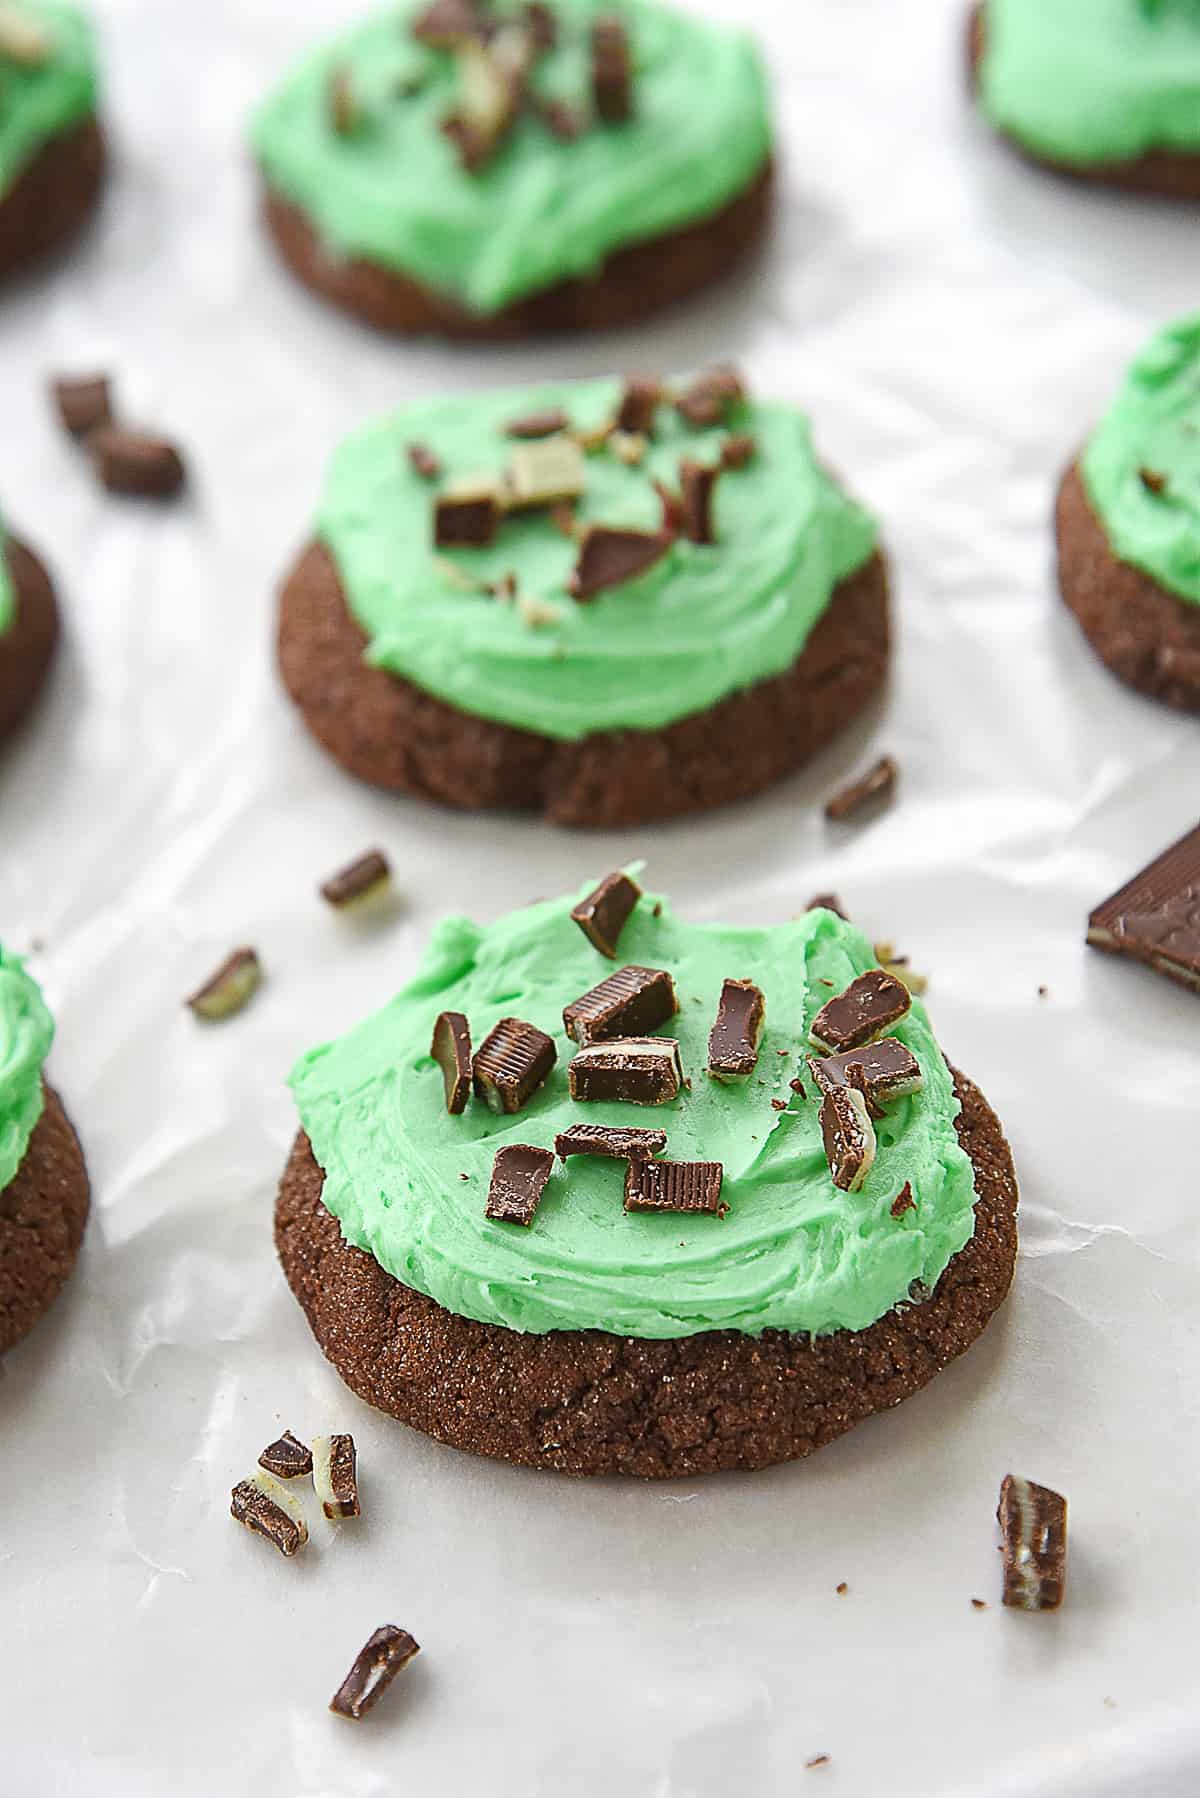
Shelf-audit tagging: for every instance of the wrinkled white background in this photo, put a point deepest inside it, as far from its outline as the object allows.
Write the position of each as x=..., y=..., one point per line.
x=954, y=320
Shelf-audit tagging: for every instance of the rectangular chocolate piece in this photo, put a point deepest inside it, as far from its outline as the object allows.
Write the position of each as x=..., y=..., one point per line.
x=612, y=70
x=640, y=400
x=675, y=1186
x=875, y=786
x=546, y=471
x=135, y=462
x=622, y=1143
x=871, y=1004
x=848, y=1136
x=271, y=1511
x=375, y=1667
x=609, y=556
x=83, y=401
x=888, y=1069
x=734, y=1038
x=363, y=878
x=636, y=1071
x=335, y=1476
x=232, y=986
x=547, y=423
x=604, y=913
x=696, y=485
x=631, y=1002
x=511, y=1063
x=466, y=514
x=287, y=1458
x=519, y=1176
x=1033, y=1531
x=709, y=399
x=451, y=1049
x=1155, y=917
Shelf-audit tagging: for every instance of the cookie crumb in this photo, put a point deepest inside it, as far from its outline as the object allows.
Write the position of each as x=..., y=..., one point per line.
x=1043, y=992
x=842, y=1588
x=817, y=1760
x=979, y=1604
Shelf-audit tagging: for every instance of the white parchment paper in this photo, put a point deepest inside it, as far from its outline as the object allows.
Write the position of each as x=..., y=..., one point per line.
x=954, y=320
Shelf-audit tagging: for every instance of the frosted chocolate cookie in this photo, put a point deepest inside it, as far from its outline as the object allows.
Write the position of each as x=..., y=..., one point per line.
x=485, y=170
x=604, y=602
x=1128, y=523
x=28, y=630
x=51, y=149
x=721, y=1246
x=43, y=1180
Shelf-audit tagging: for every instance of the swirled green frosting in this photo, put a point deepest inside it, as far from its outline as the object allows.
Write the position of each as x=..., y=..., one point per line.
x=26, y=1032
x=1093, y=81
x=793, y=1253
x=704, y=621
x=39, y=102
x=1141, y=467
x=542, y=211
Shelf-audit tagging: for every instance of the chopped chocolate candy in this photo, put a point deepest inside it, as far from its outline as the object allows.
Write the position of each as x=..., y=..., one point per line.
x=891, y=963
x=642, y=1070
x=629, y=1003
x=622, y=1142
x=345, y=114
x=423, y=461
x=876, y=786
x=363, y=879
x=134, y=462
x=675, y=1186
x=1155, y=917
x=709, y=399
x=511, y=1063
x=817, y=1760
x=612, y=71
x=448, y=23
x=608, y=557
x=270, y=1510
x=871, y=1004
x=1152, y=480
x=23, y=38
x=603, y=915
x=1033, y=1531
x=287, y=1458
x=491, y=86
x=519, y=1176
x=903, y=1200
x=560, y=120
x=467, y=513
x=546, y=423
x=640, y=400
x=542, y=23
x=739, y=449
x=848, y=1136
x=563, y=519
x=672, y=511
x=828, y=902
x=887, y=1069
x=734, y=1038
x=544, y=473
x=230, y=988
x=84, y=402
x=375, y=1667
x=696, y=488
x=627, y=447
x=335, y=1476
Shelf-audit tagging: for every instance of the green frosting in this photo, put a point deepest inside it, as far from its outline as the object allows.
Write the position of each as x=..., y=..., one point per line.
x=1153, y=425
x=39, y=102
x=1093, y=81
x=794, y=1253
x=26, y=1032
x=705, y=620
x=542, y=211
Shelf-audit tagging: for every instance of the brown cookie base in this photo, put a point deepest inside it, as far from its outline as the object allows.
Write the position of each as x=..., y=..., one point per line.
x=42, y=1214
x=393, y=734
x=584, y=1402
x=54, y=196
x=1169, y=174
x=27, y=646
x=1146, y=635
x=634, y=283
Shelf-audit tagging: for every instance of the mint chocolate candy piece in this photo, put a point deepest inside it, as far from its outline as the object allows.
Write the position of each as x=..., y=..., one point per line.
x=675, y=1186
x=871, y=1004
x=604, y=913
x=1155, y=917
x=519, y=1176
x=848, y=1136
x=287, y=1458
x=620, y=1142
x=451, y=1049
x=734, y=1038
x=375, y=1667
x=629, y=1003
x=636, y=1071
x=511, y=1063
x=1033, y=1533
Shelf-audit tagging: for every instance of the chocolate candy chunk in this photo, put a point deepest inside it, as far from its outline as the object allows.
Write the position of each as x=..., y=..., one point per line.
x=642, y=1070
x=375, y=1667
x=448, y=23
x=640, y=400
x=335, y=1476
x=491, y=87
x=612, y=70
x=546, y=423
x=903, y=1200
x=874, y=787
x=710, y=398
x=629, y=1003
x=623, y=1143
x=1152, y=480
x=345, y=113
x=519, y=1176
x=696, y=488
x=675, y=1186
x=733, y=1039
x=608, y=557
x=230, y=988
x=84, y=402
x=423, y=461
x=287, y=1458
x=271, y=1511
x=542, y=24
x=23, y=38
x=362, y=879
x=467, y=513
x=604, y=913
x=887, y=1069
x=134, y=462
x=451, y=1049
x=828, y=902
x=561, y=120
x=739, y=449
x=848, y=1136
x=871, y=1004
x=511, y=1063
x=1155, y=917
x=1033, y=1531
x=544, y=473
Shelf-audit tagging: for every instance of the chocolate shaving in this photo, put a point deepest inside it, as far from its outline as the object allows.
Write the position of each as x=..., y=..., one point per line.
x=612, y=71
x=375, y=1667
x=134, y=462
x=621, y=1142
x=364, y=878
x=634, y=1070
x=1152, y=480
x=345, y=114
x=711, y=397
x=883, y=1070
x=519, y=1176
x=545, y=423
x=448, y=23
x=903, y=1200
x=610, y=556
x=335, y=1476
x=693, y=1186
x=848, y=1136
x=451, y=1049
x=640, y=400
x=230, y=988
x=604, y=913
x=739, y=449
x=734, y=1038
x=511, y=1063
x=871, y=1004
x=876, y=786
x=1033, y=1532
x=1155, y=917
x=631, y=1002
x=271, y=1511
x=467, y=514
x=696, y=487
x=287, y=1457
x=424, y=461
x=84, y=402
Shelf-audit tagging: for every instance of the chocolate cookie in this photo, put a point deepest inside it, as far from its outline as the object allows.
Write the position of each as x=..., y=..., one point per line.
x=1146, y=635
x=52, y=198
x=27, y=647
x=42, y=1214
x=392, y=734
x=585, y=1402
